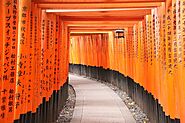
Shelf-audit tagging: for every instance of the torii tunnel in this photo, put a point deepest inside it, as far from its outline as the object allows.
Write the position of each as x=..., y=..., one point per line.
x=41, y=41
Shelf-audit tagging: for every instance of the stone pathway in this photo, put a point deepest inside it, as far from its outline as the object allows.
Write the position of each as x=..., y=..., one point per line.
x=97, y=103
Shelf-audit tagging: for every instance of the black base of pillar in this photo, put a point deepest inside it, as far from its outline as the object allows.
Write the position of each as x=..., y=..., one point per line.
x=48, y=111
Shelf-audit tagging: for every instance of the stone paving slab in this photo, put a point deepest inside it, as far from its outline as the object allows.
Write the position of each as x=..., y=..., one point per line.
x=97, y=103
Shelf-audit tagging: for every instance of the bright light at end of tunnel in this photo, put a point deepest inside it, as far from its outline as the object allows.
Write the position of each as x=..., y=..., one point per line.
x=93, y=10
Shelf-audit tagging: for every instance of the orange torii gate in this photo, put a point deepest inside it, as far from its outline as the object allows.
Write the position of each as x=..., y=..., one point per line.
x=33, y=71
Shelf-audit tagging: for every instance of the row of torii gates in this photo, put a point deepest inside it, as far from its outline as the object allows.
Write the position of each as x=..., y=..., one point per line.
x=39, y=38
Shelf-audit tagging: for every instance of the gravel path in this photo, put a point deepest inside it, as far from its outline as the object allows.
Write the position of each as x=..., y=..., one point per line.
x=66, y=114
x=97, y=103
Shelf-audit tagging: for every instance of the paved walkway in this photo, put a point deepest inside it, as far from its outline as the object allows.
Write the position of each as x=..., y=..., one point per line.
x=97, y=103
